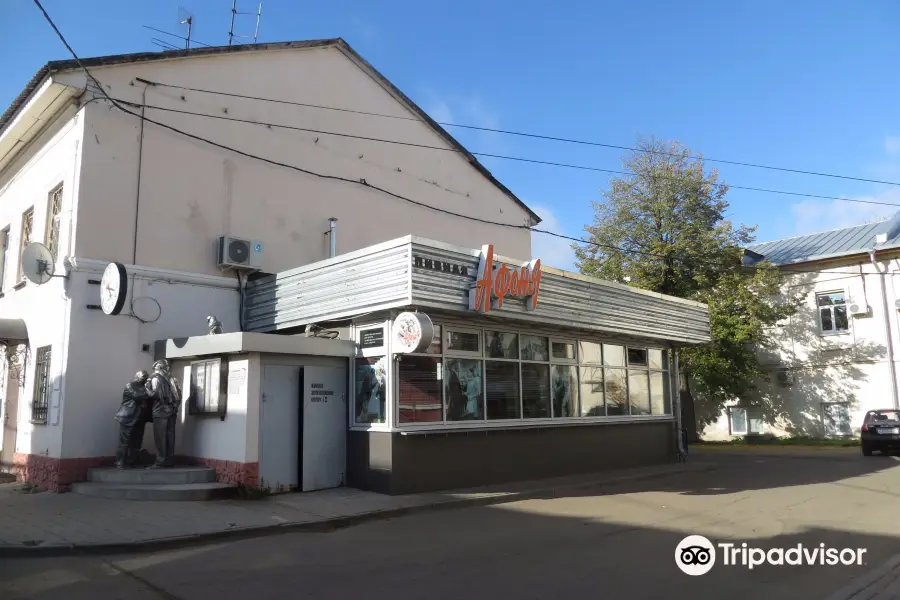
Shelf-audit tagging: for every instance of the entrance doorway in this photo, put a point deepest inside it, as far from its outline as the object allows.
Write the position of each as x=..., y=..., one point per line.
x=9, y=405
x=303, y=427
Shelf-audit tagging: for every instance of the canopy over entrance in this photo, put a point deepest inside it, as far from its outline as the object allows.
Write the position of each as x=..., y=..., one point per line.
x=13, y=331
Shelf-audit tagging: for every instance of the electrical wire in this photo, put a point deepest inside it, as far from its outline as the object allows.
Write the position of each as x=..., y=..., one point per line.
x=180, y=37
x=363, y=182
x=535, y=135
x=497, y=156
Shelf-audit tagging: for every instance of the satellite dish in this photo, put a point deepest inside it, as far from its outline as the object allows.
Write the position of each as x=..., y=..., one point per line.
x=37, y=263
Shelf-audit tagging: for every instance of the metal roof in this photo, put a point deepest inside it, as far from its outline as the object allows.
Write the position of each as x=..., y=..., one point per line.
x=101, y=61
x=831, y=244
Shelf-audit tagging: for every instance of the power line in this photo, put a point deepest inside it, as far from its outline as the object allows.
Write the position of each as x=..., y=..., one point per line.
x=362, y=182
x=497, y=156
x=180, y=37
x=536, y=135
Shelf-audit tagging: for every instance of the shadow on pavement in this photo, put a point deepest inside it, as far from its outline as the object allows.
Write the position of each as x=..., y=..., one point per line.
x=616, y=542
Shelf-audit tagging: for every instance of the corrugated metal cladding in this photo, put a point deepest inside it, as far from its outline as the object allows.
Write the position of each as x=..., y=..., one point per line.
x=336, y=288
x=412, y=272
x=563, y=301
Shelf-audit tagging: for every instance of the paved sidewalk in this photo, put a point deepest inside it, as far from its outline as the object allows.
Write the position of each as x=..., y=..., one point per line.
x=43, y=524
x=881, y=583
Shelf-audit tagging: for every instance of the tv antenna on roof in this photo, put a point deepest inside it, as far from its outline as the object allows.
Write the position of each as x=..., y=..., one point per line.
x=234, y=13
x=186, y=17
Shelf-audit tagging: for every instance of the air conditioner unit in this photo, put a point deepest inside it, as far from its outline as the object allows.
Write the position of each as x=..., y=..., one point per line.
x=784, y=377
x=858, y=309
x=238, y=253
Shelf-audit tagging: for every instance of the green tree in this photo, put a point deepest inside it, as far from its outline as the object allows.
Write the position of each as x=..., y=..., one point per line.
x=664, y=228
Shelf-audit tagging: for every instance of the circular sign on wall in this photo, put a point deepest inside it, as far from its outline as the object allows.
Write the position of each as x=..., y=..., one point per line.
x=411, y=332
x=113, y=288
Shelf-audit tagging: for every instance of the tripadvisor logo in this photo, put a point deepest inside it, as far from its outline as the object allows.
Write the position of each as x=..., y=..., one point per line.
x=696, y=555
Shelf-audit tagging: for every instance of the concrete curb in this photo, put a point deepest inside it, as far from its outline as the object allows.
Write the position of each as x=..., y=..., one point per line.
x=842, y=454
x=326, y=525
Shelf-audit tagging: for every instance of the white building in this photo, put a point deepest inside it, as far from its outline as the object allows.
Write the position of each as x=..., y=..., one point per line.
x=836, y=357
x=275, y=144
x=98, y=185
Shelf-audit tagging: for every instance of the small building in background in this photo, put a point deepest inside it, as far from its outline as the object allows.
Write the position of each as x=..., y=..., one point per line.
x=836, y=358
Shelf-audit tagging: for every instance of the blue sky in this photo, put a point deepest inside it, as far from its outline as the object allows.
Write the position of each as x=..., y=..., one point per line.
x=803, y=84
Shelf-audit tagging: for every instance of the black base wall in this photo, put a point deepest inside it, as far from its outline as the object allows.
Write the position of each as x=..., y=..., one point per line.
x=392, y=463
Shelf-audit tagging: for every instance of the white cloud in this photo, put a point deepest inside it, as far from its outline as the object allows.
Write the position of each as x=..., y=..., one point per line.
x=812, y=215
x=892, y=144
x=553, y=251
x=468, y=109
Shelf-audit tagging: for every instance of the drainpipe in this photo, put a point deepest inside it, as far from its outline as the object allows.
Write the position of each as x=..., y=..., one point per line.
x=332, y=236
x=887, y=331
x=676, y=405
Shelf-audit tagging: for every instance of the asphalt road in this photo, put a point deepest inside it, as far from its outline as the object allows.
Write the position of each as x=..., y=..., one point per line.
x=609, y=542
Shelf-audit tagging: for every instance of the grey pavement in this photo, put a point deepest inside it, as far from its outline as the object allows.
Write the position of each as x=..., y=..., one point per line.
x=43, y=523
x=615, y=540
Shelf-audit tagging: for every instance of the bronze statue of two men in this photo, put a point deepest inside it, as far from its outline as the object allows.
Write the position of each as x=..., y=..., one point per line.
x=149, y=398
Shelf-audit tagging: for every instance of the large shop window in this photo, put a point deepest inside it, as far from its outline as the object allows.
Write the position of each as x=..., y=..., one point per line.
x=464, y=390
x=371, y=387
x=420, y=397
x=495, y=375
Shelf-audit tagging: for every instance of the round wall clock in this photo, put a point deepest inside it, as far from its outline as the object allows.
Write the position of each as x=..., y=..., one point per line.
x=113, y=288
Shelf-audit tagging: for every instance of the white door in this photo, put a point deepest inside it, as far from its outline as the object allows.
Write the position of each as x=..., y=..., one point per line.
x=279, y=427
x=324, y=427
x=9, y=406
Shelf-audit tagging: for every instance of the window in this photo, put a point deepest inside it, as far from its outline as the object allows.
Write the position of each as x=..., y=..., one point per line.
x=638, y=392
x=535, y=348
x=563, y=351
x=501, y=345
x=208, y=387
x=837, y=419
x=616, y=392
x=40, y=400
x=464, y=342
x=54, y=210
x=502, y=383
x=745, y=420
x=4, y=246
x=832, y=312
x=564, y=389
x=535, y=391
x=463, y=389
x=25, y=238
x=420, y=395
x=485, y=375
x=592, y=392
x=659, y=393
x=371, y=385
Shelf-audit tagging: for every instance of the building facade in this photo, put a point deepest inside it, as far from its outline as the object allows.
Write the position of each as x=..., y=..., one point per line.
x=835, y=358
x=95, y=185
x=308, y=154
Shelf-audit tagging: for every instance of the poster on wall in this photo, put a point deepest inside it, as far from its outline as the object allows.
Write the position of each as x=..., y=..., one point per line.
x=371, y=386
x=562, y=389
x=464, y=389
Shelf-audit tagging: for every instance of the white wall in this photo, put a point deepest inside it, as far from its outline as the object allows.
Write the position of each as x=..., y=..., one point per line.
x=851, y=367
x=209, y=436
x=191, y=193
x=108, y=350
x=52, y=158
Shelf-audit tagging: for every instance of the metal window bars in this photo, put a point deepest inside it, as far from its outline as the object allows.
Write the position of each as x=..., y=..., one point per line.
x=40, y=401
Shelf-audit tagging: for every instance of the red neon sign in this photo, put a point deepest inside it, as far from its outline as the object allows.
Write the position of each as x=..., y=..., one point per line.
x=496, y=282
